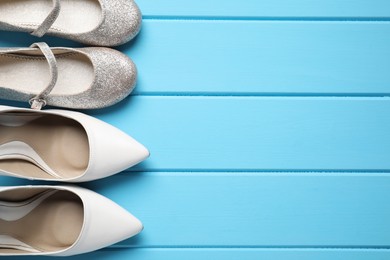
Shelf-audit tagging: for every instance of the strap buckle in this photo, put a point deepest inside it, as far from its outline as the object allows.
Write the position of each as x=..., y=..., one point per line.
x=37, y=103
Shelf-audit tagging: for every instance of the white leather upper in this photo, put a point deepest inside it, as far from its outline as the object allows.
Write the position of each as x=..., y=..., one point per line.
x=111, y=150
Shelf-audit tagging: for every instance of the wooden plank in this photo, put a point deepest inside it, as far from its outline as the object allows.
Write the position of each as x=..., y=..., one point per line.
x=262, y=58
x=257, y=133
x=228, y=254
x=255, y=58
x=270, y=9
x=255, y=210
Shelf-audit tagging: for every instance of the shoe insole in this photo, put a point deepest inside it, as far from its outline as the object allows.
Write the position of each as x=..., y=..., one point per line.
x=31, y=74
x=76, y=16
x=62, y=144
x=53, y=225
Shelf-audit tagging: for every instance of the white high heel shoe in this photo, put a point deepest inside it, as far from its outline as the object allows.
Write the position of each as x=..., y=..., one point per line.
x=60, y=145
x=60, y=221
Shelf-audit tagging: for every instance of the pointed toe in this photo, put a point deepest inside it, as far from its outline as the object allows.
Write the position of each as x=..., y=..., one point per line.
x=133, y=152
x=106, y=220
x=111, y=155
x=130, y=225
x=126, y=151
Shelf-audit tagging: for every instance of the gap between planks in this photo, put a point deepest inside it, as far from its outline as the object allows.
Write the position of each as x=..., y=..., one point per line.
x=254, y=247
x=358, y=96
x=246, y=173
x=265, y=18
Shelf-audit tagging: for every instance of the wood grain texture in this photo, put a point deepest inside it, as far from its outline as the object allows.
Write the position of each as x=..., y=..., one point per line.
x=262, y=58
x=257, y=134
x=312, y=9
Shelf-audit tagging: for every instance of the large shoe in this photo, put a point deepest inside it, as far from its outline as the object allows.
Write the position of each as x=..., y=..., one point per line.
x=60, y=145
x=60, y=221
x=94, y=22
x=77, y=78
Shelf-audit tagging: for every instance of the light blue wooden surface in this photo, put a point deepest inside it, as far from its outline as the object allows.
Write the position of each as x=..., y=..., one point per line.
x=258, y=133
x=267, y=9
x=268, y=125
x=262, y=58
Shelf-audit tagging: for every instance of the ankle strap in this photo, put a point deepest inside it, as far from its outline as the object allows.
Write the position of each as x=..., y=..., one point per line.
x=50, y=19
x=39, y=100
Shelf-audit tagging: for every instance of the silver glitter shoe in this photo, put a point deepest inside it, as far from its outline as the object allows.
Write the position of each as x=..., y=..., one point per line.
x=79, y=78
x=94, y=22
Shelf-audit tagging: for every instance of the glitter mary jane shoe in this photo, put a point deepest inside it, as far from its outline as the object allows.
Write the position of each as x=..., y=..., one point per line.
x=60, y=221
x=77, y=78
x=93, y=22
x=60, y=145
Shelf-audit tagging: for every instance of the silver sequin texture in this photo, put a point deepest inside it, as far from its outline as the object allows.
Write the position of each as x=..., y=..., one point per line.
x=50, y=19
x=114, y=79
x=121, y=21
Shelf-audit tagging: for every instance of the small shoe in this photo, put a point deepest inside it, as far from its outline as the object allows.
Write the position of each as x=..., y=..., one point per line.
x=60, y=145
x=93, y=22
x=60, y=221
x=77, y=78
